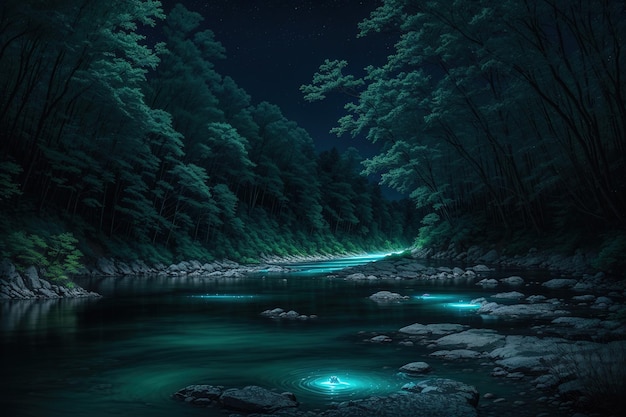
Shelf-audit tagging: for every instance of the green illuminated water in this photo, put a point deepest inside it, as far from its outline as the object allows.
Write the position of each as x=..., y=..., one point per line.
x=127, y=353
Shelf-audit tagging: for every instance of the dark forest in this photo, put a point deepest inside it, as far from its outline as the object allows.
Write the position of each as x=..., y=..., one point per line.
x=503, y=125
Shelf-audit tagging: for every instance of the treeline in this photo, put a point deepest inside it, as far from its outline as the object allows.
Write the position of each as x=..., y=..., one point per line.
x=504, y=120
x=143, y=149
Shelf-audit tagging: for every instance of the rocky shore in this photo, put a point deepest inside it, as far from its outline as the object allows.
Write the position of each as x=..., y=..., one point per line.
x=31, y=285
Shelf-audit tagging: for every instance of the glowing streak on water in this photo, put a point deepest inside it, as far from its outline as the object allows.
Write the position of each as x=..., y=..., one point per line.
x=334, y=264
x=463, y=305
x=434, y=297
x=223, y=296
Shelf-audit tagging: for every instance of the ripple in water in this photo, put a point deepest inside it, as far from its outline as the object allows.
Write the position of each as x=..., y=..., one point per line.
x=324, y=386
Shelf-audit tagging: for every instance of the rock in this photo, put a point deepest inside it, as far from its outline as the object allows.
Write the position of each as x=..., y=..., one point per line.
x=541, y=310
x=440, y=329
x=199, y=394
x=481, y=268
x=416, y=368
x=587, y=298
x=106, y=266
x=509, y=295
x=356, y=276
x=484, y=339
x=387, y=297
x=254, y=399
x=489, y=257
x=535, y=298
x=31, y=278
x=558, y=283
x=381, y=339
x=513, y=281
x=456, y=354
x=577, y=322
x=431, y=404
x=448, y=387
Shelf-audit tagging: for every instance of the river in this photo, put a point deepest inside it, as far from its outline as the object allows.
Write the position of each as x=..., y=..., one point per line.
x=127, y=353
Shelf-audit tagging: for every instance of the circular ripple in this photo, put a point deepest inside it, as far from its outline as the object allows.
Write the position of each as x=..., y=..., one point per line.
x=331, y=384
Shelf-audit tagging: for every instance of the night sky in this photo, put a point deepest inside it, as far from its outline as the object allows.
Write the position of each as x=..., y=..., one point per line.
x=275, y=46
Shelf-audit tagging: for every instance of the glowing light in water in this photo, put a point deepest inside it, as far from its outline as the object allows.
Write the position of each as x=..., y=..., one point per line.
x=434, y=297
x=463, y=305
x=225, y=297
x=334, y=385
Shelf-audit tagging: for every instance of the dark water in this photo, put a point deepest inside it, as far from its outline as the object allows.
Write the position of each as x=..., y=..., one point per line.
x=127, y=353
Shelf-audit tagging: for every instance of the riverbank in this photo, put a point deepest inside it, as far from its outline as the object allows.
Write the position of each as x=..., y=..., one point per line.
x=30, y=284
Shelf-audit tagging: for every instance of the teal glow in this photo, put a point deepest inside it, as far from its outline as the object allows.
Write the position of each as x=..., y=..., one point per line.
x=333, y=265
x=339, y=386
x=225, y=297
x=435, y=297
x=462, y=304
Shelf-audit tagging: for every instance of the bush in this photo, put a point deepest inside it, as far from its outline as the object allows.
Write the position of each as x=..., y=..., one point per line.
x=56, y=256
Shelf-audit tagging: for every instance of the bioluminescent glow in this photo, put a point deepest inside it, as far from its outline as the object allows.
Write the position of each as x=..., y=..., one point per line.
x=333, y=265
x=334, y=384
x=224, y=297
x=462, y=305
x=434, y=297
x=337, y=385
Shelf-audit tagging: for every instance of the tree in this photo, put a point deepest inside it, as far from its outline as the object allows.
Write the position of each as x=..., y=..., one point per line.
x=507, y=110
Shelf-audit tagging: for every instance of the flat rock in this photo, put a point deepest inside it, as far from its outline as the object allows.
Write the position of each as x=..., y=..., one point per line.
x=440, y=329
x=448, y=387
x=512, y=295
x=474, y=339
x=557, y=283
x=513, y=280
x=456, y=354
x=415, y=368
x=254, y=399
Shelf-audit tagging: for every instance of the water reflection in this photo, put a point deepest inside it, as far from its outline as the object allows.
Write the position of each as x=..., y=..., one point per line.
x=35, y=315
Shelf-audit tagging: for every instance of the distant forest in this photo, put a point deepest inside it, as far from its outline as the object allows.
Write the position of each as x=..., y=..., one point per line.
x=119, y=138
x=504, y=121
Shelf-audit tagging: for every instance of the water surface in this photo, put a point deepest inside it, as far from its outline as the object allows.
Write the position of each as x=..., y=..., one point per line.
x=127, y=353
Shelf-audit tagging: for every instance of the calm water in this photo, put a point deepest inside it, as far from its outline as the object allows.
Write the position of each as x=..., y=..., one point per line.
x=127, y=353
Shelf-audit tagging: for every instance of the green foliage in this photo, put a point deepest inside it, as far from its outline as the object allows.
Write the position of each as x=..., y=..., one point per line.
x=63, y=257
x=56, y=256
x=176, y=165
x=480, y=113
x=26, y=250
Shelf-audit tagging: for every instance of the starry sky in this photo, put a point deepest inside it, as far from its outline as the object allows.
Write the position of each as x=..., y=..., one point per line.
x=275, y=46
